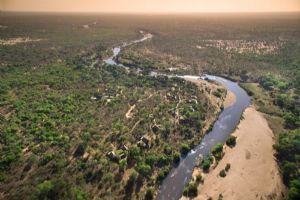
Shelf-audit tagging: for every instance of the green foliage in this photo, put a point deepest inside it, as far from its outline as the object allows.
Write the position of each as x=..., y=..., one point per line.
x=176, y=157
x=205, y=165
x=46, y=158
x=144, y=169
x=291, y=120
x=217, y=151
x=270, y=82
x=58, y=189
x=185, y=148
x=294, y=190
x=162, y=174
x=288, y=155
x=217, y=93
x=133, y=153
x=231, y=141
x=190, y=190
x=162, y=160
x=122, y=165
x=151, y=160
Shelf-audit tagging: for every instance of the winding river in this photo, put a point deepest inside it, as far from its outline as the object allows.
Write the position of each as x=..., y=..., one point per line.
x=173, y=185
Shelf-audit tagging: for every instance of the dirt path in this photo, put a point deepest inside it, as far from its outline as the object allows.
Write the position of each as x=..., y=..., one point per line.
x=254, y=172
x=129, y=112
x=14, y=41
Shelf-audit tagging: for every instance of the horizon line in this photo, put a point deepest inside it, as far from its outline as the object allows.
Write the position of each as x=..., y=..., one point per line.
x=155, y=13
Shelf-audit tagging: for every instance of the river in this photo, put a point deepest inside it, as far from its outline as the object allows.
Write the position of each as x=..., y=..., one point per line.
x=173, y=185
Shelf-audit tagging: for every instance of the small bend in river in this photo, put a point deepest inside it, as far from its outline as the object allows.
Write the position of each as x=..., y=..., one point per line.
x=173, y=185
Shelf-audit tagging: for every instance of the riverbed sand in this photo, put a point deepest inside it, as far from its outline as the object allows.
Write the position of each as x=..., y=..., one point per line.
x=254, y=172
x=229, y=100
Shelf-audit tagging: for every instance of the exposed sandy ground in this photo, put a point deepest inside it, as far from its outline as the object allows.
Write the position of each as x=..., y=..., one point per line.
x=14, y=41
x=229, y=100
x=254, y=172
x=3, y=27
x=129, y=112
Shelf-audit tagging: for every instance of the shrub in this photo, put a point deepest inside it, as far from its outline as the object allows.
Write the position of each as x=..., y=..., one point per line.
x=199, y=178
x=190, y=190
x=288, y=154
x=133, y=154
x=55, y=189
x=222, y=173
x=151, y=160
x=163, y=160
x=79, y=150
x=291, y=121
x=220, y=197
x=167, y=150
x=217, y=93
x=231, y=141
x=294, y=191
x=122, y=165
x=44, y=189
x=185, y=148
x=206, y=165
x=80, y=195
x=176, y=157
x=217, y=151
x=144, y=169
x=227, y=167
x=162, y=174
x=149, y=194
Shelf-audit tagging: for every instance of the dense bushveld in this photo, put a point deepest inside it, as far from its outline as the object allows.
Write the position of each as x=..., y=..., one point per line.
x=58, y=123
x=62, y=110
x=75, y=128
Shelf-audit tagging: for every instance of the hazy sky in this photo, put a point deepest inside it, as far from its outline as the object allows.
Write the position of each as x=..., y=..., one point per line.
x=152, y=5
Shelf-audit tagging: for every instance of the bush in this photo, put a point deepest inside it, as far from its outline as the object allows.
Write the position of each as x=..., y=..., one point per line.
x=206, y=165
x=133, y=154
x=149, y=194
x=231, y=141
x=162, y=174
x=288, y=154
x=162, y=160
x=176, y=157
x=217, y=93
x=122, y=165
x=227, y=167
x=190, y=190
x=199, y=178
x=291, y=121
x=294, y=191
x=144, y=169
x=185, y=148
x=55, y=189
x=151, y=160
x=217, y=151
x=222, y=173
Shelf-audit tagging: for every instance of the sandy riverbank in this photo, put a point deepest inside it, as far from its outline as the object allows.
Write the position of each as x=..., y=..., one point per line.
x=229, y=100
x=254, y=172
